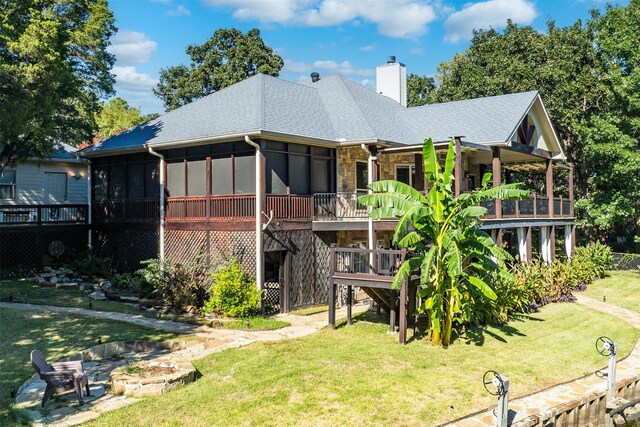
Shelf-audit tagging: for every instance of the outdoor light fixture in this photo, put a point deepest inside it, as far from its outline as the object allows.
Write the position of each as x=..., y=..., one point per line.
x=99, y=340
x=77, y=175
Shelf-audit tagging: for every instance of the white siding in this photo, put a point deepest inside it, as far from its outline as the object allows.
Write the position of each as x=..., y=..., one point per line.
x=30, y=182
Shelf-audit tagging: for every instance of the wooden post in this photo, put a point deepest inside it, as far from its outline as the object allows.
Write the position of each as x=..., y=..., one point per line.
x=496, y=169
x=402, y=336
x=529, y=255
x=499, y=237
x=549, y=185
x=349, y=303
x=392, y=310
x=573, y=237
x=415, y=307
x=332, y=287
x=457, y=169
x=419, y=168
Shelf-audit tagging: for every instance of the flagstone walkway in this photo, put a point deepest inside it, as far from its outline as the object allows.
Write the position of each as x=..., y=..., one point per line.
x=528, y=410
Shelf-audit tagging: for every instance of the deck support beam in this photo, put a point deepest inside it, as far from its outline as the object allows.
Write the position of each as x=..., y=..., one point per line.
x=402, y=333
x=349, y=303
x=332, y=287
x=392, y=310
x=549, y=186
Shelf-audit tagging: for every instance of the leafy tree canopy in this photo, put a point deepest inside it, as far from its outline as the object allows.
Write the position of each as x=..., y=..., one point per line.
x=588, y=76
x=116, y=116
x=54, y=68
x=228, y=57
x=419, y=89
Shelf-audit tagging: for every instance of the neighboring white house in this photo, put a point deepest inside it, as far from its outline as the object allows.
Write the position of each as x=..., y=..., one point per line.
x=61, y=180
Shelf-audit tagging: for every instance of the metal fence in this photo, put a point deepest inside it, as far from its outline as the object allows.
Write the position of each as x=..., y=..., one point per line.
x=622, y=261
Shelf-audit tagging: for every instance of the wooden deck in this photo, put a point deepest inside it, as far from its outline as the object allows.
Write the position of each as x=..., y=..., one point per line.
x=352, y=267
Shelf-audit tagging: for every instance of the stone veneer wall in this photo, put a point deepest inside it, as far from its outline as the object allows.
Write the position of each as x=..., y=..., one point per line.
x=348, y=156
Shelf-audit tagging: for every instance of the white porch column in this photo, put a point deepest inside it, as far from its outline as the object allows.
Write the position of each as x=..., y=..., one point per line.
x=568, y=240
x=545, y=244
x=522, y=244
x=371, y=177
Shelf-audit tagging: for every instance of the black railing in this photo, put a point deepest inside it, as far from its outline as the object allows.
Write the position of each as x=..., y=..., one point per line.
x=43, y=214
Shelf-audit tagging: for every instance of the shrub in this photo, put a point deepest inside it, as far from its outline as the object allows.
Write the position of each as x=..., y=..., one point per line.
x=233, y=293
x=176, y=285
x=91, y=265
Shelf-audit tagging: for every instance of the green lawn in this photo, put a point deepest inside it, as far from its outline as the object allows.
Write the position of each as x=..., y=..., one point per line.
x=32, y=293
x=309, y=310
x=360, y=375
x=621, y=288
x=57, y=336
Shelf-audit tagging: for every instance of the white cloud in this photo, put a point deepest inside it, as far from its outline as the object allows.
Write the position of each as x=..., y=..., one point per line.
x=417, y=51
x=482, y=15
x=296, y=66
x=131, y=47
x=137, y=88
x=345, y=68
x=181, y=10
x=394, y=18
x=368, y=48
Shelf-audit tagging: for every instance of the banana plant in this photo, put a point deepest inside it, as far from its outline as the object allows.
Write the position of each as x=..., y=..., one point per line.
x=451, y=254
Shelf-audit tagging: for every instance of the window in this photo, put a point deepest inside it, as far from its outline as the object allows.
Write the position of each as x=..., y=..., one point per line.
x=362, y=176
x=8, y=184
x=406, y=174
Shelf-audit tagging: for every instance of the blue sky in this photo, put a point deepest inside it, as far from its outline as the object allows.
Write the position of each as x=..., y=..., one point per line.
x=348, y=37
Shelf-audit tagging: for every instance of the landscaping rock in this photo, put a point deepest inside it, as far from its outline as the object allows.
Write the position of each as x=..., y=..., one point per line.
x=130, y=300
x=54, y=279
x=97, y=295
x=69, y=285
x=147, y=302
x=47, y=275
x=112, y=294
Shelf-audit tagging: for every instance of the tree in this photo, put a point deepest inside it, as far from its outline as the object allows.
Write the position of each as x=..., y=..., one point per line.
x=54, y=68
x=116, y=116
x=454, y=256
x=228, y=57
x=419, y=90
x=585, y=76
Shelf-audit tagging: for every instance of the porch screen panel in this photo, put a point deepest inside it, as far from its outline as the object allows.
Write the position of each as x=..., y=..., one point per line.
x=117, y=182
x=300, y=174
x=322, y=172
x=151, y=180
x=135, y=183
x=100, y=183
x=175, y=179
x=245, y=174
x=277, y=173
x=197, y=174
x=221, y=176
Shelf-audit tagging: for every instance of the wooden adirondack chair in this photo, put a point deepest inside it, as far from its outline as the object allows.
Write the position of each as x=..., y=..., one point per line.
x=60, y=376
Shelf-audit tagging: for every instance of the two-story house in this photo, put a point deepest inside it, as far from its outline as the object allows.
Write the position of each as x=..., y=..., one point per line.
x=43, y=210
x=268, y=171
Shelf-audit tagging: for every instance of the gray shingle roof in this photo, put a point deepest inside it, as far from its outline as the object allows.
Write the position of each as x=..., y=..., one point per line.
x=332, y=109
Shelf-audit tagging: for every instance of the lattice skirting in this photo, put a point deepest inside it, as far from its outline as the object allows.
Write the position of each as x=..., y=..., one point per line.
x=216, y=247
x=26, y=250
x=126, y=247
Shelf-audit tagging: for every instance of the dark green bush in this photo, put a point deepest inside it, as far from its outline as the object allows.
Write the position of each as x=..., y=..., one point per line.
x=233, y=293
x=176, y=285
x=91, y=265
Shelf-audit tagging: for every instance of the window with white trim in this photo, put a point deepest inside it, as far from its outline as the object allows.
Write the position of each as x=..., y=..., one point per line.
x=8, y=184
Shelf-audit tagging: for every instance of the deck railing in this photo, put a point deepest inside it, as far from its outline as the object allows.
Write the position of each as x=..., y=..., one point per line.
x=336, y=206
x=237, y=206
x=357, y=261
x=43, y=214
x=345, y=206
x=127, y=210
